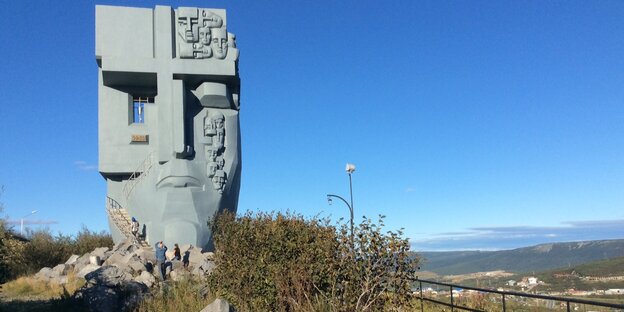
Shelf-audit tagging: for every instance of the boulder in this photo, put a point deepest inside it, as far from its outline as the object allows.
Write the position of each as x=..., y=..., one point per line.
x=72, y=260
x=60, y=270
x=219, y=305
x=146, y=255
x=137, y=266
x=100, y=298
x=107, y=254
x=44, y=273
x=195, y=257
x=110, y=276
x=81, y=262
x=133, y=293
x=97, y=260
x=99, y=252
x=114, y=259
x=103, y=293
x=177, y=265
x=206, y=267
x=146, y=278
x=125, y=247
x=86, y=270
x=175, y=276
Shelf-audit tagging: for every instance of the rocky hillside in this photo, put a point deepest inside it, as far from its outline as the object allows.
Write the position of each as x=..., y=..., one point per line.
x=529, y=259
x=118, y=279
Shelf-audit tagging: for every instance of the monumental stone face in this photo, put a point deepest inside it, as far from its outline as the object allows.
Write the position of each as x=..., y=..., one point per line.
x=168, y=104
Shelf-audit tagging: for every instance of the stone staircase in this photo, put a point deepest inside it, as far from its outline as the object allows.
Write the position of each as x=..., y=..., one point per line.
x=122, y=220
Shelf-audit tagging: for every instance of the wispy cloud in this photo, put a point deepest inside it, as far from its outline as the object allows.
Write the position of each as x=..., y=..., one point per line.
x=83, y=165
x=507, y=237
x=410, y=190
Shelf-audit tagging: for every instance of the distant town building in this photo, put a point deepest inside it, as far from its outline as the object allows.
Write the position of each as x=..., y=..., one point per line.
x=614, y=291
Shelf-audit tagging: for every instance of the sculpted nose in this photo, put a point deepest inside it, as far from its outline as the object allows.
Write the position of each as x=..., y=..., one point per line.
x=180, y=148
x=172, y=106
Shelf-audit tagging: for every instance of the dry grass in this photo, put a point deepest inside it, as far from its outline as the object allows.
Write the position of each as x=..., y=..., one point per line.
x=31, y=288
x=177, y=296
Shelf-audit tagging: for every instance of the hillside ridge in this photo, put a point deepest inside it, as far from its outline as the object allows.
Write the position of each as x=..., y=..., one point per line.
x=535, y=258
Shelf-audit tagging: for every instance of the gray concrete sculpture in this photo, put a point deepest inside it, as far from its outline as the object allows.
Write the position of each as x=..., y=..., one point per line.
x=169, y=141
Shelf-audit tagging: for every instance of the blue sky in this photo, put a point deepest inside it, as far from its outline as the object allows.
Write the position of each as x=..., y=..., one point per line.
x=473, y=124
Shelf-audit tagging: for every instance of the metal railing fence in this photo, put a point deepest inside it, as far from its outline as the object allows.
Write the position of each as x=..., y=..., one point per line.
x=504, y=295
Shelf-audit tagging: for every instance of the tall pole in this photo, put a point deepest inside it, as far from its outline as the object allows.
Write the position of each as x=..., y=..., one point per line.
x=22, y=221
x=351, y=207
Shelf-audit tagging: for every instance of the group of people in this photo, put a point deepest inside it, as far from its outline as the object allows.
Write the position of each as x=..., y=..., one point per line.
x=161, y=259
x=161, y=250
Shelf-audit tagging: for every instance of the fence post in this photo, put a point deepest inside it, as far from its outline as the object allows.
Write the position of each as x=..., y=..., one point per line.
x=452, y=305
x=568, y=306
x=422, y=306
x=504, y=306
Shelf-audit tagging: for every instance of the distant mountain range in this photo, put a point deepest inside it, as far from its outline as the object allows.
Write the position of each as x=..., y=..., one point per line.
x=528, y=259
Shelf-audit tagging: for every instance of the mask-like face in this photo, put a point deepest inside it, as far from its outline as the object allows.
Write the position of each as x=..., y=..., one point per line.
x=218, y=122
x=211, y=154
x=204, y=36
x=219, y=181
x=219, y=42
x=171, y=168
x=187, y=24
x=210, y=20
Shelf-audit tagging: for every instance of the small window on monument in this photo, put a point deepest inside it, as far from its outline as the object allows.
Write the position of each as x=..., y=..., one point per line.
x=138, y=107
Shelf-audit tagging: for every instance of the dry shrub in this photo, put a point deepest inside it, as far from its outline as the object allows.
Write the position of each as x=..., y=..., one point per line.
x=184, y=295
x=285, y=262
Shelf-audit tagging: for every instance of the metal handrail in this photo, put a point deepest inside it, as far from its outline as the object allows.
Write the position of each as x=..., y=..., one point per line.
x=507, y=293
x=111, y=205
x=138, y=175
x=114, y=208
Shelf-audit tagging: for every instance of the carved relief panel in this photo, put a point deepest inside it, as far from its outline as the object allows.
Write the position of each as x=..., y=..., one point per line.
x=214, y=128
x=202, y=34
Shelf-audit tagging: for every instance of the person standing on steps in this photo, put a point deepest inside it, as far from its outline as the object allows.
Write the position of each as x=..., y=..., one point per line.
x=161, y=249
x=135, y=228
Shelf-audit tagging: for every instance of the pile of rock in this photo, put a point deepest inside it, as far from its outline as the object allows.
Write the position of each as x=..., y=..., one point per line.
x=136, y=261
x=117, y=279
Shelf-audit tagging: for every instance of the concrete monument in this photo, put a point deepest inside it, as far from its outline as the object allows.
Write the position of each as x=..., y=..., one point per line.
x=168, y=104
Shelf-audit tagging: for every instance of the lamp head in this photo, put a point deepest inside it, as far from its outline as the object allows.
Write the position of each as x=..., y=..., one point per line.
x=329, y=200
x=350, y=168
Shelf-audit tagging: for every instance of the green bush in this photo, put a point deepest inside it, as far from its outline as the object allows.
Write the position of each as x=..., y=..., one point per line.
x=285, y=262
x=268, y=262
x=19, y=257
x=46, y=250
x=87, y=240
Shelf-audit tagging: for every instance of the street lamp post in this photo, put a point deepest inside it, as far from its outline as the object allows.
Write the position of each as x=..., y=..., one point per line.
x=22, y=221
x=350, y=169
